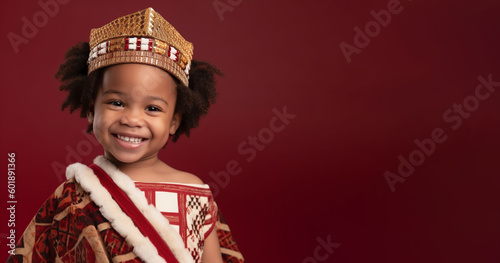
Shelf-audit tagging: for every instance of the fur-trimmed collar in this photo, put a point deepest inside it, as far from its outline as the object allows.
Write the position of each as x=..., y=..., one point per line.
x=120, y=221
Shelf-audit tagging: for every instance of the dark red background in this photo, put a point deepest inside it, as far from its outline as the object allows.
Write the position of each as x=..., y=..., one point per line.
x=323, y=175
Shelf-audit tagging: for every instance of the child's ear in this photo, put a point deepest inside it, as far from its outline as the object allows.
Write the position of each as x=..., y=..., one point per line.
x=90, y=117
x=175, y=123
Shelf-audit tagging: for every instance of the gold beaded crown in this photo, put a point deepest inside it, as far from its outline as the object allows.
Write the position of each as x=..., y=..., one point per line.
x=142, y=37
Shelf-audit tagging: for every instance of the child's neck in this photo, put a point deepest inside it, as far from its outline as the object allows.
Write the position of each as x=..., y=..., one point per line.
x=139, y=170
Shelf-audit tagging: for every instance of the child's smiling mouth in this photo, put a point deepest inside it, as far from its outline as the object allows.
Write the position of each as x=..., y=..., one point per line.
x=129, y=139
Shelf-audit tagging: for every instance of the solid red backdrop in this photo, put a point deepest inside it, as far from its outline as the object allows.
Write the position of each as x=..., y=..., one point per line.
x=322, y=102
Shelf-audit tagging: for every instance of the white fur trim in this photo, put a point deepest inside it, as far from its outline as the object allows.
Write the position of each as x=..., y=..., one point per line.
x=120, y=221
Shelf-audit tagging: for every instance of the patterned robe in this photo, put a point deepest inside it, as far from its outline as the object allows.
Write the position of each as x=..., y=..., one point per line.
x=80, y=222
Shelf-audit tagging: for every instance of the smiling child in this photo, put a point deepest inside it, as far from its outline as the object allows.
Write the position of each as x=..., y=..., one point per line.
x=137, y=85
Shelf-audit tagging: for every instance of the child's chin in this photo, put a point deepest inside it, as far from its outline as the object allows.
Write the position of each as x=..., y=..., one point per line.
x=123, y=158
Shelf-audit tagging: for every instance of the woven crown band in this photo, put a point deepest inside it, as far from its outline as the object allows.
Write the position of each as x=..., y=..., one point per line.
x=142, y=37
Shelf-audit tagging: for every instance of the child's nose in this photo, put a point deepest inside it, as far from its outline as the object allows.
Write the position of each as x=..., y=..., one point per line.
x=132, y=118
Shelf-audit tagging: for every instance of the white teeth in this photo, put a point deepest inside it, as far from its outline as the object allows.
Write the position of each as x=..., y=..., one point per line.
x=129, y=139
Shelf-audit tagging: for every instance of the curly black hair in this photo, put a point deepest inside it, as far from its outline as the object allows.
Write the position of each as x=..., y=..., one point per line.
x=192, y=102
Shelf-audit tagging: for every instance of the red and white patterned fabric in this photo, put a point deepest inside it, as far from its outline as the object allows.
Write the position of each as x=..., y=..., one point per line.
x=81, y=222
x=189, y=208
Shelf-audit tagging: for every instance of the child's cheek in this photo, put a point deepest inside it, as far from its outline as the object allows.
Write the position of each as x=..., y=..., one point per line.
x=98, y=129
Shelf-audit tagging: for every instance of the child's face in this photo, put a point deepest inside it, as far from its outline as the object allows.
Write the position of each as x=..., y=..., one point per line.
x=134, y=112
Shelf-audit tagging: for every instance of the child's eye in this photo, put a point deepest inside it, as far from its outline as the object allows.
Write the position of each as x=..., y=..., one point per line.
x=153, y=108
x=116, y=103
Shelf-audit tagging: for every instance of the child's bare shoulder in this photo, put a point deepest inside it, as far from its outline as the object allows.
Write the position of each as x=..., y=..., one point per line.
x=187, y=178
x=177, y=176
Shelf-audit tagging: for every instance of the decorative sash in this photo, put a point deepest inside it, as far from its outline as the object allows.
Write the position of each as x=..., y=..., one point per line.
x=133, y=212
